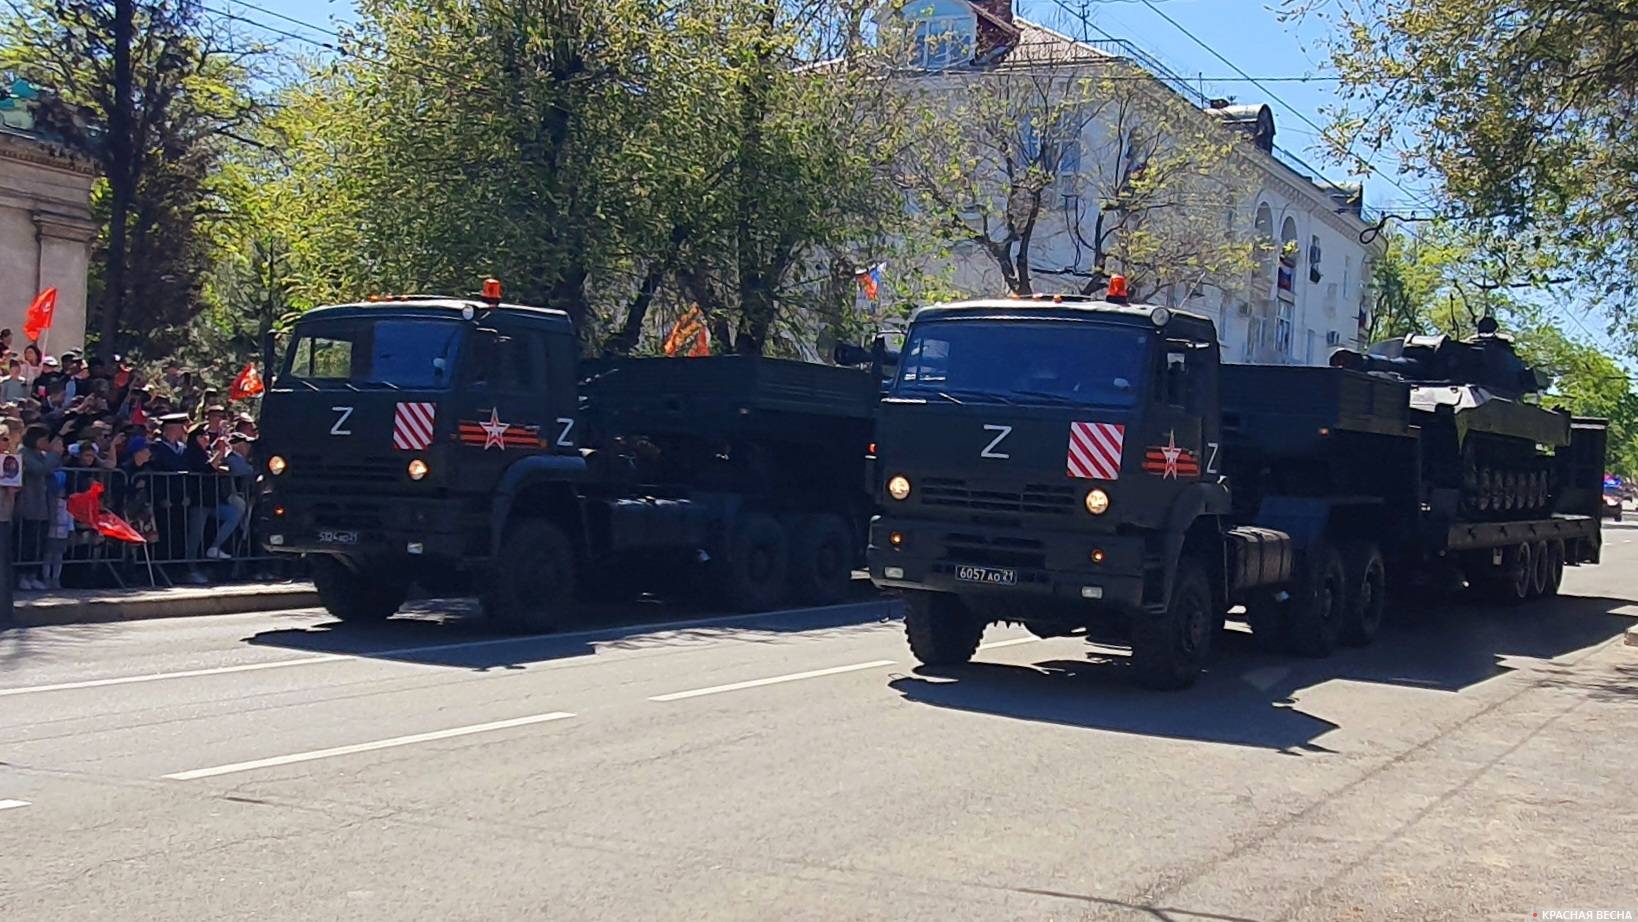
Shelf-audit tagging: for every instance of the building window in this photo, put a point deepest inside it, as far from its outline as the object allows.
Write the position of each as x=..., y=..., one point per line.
x=943, y=41
x=1059, y=152
x=1282, y=330
x=1314, y=254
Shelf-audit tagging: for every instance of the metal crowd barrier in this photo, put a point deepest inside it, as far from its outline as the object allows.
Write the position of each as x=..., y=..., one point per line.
x=184, y=516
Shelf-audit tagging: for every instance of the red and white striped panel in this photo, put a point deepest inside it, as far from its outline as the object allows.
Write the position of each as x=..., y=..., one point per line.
x=1095, y=450
x=412, y=425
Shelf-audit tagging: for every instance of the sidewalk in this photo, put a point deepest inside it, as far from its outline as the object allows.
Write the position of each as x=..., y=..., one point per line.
x=82, y=606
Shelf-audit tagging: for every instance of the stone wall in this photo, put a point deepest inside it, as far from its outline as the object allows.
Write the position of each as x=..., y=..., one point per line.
x=46, y=233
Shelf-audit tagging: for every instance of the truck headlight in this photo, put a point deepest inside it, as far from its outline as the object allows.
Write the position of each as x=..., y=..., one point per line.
x=417, y=469
x=1097, y=501
x=898, y=487
x=275, y=465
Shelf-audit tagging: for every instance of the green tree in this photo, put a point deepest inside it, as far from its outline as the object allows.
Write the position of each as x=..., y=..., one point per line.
x=601, y=158
x=159, y=96
x=1058, y=146
x=1520, y=110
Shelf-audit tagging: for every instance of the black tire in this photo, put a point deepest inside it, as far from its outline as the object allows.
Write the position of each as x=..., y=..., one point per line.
x=361, y=594
x=1170, y=648
x=531, y=584
x=1541, y=566
x=941, y=630
x=752, y=575
x=1555, y=569
x=1317, y=608
x=1509, y=583
x=1367, y=593
x=821, y=560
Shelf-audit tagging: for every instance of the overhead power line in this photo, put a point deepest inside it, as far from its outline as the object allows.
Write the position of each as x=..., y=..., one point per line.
x=1392, y=181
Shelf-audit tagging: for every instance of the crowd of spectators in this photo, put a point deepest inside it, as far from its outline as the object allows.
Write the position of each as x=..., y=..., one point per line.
x=172, y=455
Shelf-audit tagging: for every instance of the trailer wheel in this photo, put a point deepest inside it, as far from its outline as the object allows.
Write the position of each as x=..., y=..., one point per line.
x=821, y=567
x=1555, y=569
x=357, y=595
x=1318, y=604
x=1169, y=649
x=753, y=574
x=941, y=629
x=1367, y=593
x=530, y=587
x=1540, y=566
x=1510, y=583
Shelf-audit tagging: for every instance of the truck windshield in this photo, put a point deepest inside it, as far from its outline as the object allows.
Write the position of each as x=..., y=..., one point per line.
x=386, y=353
x=1023, y=362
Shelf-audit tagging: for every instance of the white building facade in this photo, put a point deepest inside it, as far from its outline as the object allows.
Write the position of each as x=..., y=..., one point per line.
x=1309, y=296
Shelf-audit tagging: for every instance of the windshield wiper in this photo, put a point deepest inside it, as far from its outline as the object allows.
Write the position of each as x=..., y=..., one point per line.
x=953, y=400
x=1042, y=395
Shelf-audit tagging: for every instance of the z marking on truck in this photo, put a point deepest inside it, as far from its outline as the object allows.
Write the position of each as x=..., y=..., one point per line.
x=1001, y=433
x=345, y=413
x=563, y=440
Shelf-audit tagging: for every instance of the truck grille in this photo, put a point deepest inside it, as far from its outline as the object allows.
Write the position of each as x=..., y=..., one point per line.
x=364, y=473
x=1034, y=499
x=994, y=550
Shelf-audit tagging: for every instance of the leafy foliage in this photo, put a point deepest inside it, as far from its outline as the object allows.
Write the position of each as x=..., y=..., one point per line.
x=1058, y=147
x=1520, y=109
x=157, y=97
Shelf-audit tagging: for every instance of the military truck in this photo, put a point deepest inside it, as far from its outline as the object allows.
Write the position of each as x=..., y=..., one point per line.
x=459, y=444
x=1087, y=466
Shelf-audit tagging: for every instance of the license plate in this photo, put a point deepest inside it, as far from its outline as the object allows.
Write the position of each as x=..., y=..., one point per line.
x=990, y=576
x=338, y=537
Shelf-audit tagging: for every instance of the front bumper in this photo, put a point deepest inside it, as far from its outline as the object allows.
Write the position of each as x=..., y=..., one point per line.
x=1054, y=565
x=368, y=526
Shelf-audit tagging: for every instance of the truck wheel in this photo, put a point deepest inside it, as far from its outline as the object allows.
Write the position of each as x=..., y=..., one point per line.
x=1318, y=604
x=753, y=574
x=1170, y=649
x=821, y=559
x=531, y=584
x=356, y=595
x=1510, y=583
x=1555, y=569
x=1541, y=567
x=940, y=628
x=1367, y=593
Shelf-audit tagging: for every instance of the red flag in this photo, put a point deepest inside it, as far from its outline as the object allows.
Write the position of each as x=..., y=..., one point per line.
x=247, y=384
x=86, y=508
x=38, y=318
x=690, y=336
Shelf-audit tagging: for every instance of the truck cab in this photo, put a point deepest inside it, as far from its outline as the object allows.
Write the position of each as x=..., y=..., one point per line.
x=1045, y=460
x=392, y=429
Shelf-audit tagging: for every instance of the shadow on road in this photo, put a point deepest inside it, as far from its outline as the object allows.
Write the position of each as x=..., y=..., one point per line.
x=1246, y=698
x=451, y=632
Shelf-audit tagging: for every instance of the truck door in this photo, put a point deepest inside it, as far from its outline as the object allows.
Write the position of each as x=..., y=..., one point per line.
x=503, y=405
x=1177, y=447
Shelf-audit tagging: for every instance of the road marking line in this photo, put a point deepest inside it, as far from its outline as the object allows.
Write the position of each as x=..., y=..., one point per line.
x=450, y=733
x=775, y=680
x=8, y=804
x=613, y=631
x=157, y=676
x=1008, y=643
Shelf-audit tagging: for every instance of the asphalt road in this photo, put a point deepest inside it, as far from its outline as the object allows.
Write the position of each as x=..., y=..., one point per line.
x=1473, y=765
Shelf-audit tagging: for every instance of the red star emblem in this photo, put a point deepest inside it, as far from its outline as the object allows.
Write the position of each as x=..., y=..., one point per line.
x=494, y=431
x=1171, y=453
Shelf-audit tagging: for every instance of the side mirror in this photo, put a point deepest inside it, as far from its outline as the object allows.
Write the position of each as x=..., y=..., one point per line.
x=848, y=354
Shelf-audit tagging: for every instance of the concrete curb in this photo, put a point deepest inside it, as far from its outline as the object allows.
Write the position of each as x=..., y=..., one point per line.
x=172, y=603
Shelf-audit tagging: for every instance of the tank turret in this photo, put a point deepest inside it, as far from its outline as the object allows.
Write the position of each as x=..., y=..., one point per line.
x=1481, y=443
